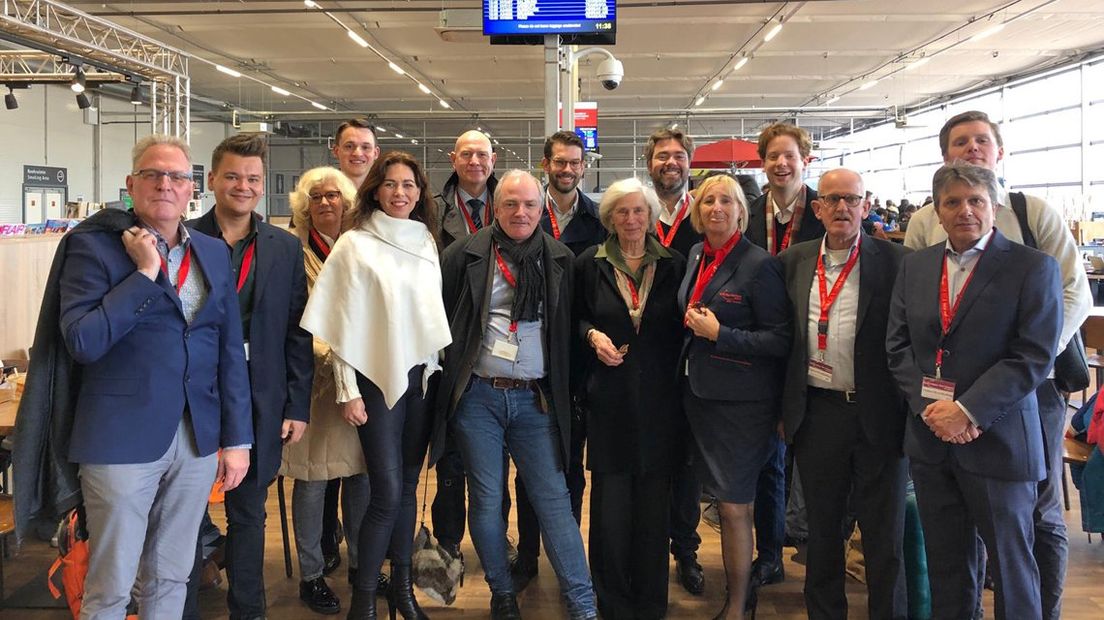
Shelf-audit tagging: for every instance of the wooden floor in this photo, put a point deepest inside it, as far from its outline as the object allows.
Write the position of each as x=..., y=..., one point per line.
x=1084, y=597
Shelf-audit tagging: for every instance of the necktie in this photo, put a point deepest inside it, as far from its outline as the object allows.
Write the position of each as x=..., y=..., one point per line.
x=475, y=206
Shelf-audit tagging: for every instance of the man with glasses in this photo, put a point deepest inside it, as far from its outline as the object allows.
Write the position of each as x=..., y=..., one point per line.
x=971, y=137
x=572, y=218
x=355, y=149
x=846, y=427
x=464, y=204
x=151, y=321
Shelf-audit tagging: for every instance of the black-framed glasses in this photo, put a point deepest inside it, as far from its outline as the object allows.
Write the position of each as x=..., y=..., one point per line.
x=851, y=200
x=330, y=196
x=560, y=164
x=153, y=175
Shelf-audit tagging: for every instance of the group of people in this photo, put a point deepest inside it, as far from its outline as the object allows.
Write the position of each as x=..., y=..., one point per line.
x=670, y=341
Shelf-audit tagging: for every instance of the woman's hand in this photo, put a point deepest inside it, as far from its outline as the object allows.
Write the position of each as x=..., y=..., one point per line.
x=603, y=347
x=354, y=412
x=703, y=323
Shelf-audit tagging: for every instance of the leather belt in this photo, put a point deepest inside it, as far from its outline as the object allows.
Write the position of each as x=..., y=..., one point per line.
x=507, y=383
x=848, y=396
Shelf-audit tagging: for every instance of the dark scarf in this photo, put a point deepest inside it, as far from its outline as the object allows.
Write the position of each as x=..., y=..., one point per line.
x=525, y=255
x=317, y=244
x=46, y=483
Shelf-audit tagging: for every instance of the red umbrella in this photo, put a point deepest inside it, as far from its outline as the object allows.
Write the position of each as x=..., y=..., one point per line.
x=725, y=154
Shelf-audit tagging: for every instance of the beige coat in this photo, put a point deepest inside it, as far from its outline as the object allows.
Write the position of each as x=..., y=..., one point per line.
x=330, y=448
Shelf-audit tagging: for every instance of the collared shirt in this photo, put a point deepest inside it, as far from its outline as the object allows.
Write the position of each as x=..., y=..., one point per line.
x=668, y=216
x=530, y=362
x=484, y=213
x=237, y=256
x=959, y=267
x=842, y=320
x=783, y=213
x=562, y=219
x=193, y=294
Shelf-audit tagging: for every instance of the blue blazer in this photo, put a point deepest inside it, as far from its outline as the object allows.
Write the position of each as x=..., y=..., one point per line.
x=281, y=354
x=1000, y=347
x=748, y=295
x=140, y=363
x=584, y=230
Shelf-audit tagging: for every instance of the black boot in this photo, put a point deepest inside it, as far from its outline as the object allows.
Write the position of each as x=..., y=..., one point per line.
x=402, y=594
x=363, y=606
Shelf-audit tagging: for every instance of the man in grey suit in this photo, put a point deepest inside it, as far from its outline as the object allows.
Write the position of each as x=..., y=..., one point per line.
x=846, y=427
x=973, y=328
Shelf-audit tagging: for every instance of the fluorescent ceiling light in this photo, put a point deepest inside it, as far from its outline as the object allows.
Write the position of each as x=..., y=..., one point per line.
x=423, y=88
x=743, y=61
x=381, y=129
x=280, y=91
x=868, y=84
x=228, y=71
x=319, y=105
x=716, y=84
x=988, y=32
x=413, y=141
x=357, y=38
x=311, y=4
x=917, y=63
x=399, y=136
x=832, y=100
x=773, y=32
x=700, y=100
x=396, y=68
x=444, y=104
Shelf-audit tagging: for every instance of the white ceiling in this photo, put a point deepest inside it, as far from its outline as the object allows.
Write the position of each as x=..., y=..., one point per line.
x=672, y=52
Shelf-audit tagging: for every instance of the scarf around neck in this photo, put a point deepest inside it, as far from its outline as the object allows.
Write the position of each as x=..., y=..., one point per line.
x=525, y=255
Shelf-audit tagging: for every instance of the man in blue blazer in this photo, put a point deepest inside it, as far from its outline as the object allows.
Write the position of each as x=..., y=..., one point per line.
x=973, y=328
x=271, y=284
x=151, y=322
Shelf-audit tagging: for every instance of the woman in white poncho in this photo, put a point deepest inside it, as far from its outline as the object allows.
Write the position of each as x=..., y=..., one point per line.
x=377, y=303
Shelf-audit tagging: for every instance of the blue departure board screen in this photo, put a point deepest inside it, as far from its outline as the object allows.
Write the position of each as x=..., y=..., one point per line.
x=540, y=17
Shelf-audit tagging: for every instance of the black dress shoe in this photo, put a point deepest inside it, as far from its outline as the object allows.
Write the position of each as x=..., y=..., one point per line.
x=319, y=597
x=766, y=573
x=522, y=572
x=330, y=563
x=690, y=575
x=505, y=607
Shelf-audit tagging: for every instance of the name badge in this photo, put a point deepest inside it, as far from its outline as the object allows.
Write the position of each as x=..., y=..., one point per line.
x=505, y=350
x=820, y=371
x=246, y=345
x=937, y=389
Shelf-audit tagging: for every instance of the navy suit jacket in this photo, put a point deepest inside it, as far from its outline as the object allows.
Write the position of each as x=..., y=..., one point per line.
x=281, y=354
x=141, y=364
x=880, y=405
x=584, y=230
x=748, y=295
x=1000, y=347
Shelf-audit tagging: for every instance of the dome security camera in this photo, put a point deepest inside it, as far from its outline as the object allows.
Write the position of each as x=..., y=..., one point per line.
x=610, y=73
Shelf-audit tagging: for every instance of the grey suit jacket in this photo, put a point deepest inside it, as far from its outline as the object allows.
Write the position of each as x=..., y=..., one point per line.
x=1000, y=346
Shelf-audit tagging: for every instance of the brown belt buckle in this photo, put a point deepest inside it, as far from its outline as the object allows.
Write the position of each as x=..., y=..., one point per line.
x=504, y=383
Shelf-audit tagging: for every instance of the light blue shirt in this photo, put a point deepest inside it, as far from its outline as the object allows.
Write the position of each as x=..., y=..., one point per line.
x=529, y=363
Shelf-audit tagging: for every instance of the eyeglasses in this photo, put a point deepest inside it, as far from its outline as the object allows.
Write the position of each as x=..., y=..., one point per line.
x=575, y=164
x=154, y=176
x=851, y=200
x=329, y=196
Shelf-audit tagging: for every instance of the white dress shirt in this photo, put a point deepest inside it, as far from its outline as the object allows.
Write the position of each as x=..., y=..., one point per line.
x=842, y=319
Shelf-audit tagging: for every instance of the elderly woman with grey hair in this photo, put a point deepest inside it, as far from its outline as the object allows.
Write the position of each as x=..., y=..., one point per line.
x=330, y=448
x=627, y=308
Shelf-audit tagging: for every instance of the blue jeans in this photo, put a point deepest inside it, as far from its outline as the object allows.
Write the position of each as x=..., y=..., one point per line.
x=485, y=420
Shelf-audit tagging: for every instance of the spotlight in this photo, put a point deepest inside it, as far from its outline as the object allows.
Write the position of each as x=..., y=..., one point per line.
x=9, y=100
x=83, y=102
x=136, y=95
x=77, y=85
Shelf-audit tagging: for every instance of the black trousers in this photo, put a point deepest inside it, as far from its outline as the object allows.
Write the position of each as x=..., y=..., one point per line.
x=244, y=549
x=837, y=462
x=685, y=506
x=528, y=527
x=629, y=524
x=394, y=442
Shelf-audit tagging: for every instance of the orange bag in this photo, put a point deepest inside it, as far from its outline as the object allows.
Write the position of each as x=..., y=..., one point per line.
x=72, y=561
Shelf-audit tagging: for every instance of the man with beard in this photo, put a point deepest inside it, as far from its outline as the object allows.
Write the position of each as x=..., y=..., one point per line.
x=781, y=217
x=356, y=149
x=667, y=154
x=572, y=218
x=508, y=290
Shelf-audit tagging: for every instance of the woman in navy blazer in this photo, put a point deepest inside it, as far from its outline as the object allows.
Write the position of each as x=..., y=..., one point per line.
x=737, y=312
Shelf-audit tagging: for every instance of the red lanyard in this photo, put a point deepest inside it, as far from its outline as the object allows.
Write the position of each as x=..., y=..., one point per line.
x=247, y=262
x=322, y=245
x=705, y=274
x=549, y=204
x=947, y=312
x=793, y=223
x=633, y=292
x=670, y=236
x=181, y=272
x=467, y=216
x=826, y=298
x=509, y=280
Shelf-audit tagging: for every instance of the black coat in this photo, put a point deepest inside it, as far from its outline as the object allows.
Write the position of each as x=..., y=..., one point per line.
x=811, y=227
x=466, y=269
x=881, y=406
x=453, y=225
x=584, y=230
x=281, y=354
x=634, y=411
